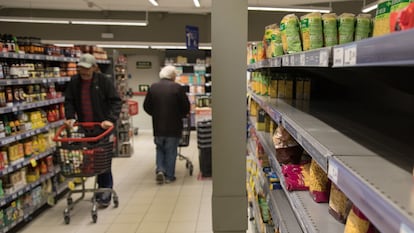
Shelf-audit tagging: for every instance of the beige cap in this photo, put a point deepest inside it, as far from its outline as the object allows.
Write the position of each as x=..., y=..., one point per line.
x=87, y=60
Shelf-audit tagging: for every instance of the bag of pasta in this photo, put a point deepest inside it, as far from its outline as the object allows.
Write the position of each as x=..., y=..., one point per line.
x=287, y=149
x=358, y=223
x=311, y=31
x=319, y=186
x=339, y=204
x=289, y=29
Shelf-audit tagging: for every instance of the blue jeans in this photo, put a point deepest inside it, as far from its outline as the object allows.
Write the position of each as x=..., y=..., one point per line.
x=105, y=180
x=166, y=155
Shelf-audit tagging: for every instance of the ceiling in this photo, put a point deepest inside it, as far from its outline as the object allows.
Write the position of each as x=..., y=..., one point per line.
x=172, y=6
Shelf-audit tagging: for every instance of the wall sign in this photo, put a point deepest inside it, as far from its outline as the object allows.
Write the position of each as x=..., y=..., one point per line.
x=191, y=37
x=143, y=65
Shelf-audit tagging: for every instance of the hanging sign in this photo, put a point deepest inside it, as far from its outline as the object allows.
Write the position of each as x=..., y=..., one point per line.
x=191, y=37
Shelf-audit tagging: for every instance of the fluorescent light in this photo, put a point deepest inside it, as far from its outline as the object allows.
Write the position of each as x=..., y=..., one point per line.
x=168, y=47
x=123, y=46
x=64, y=45
x=291, y=9
x=196, y=3
x=154, y=2
x=110, y=22
x=33, y=20
x=370, y=7
x=205, y=47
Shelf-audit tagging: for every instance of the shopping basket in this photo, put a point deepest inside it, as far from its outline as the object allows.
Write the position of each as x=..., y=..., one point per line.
x=83, y=151
x=185, y=141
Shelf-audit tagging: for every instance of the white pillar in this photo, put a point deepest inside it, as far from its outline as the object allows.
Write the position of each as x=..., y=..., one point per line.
x=229, y=40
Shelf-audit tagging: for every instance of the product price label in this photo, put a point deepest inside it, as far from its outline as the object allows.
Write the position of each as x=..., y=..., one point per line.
x=302, y=59
x=285, y=60
x=350, y=55
x=323, y=58
x=292, y=60
x=333, y=172
x=338, y=57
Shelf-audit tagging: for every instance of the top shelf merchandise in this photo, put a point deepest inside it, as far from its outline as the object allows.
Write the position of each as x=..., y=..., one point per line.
x=356, y=123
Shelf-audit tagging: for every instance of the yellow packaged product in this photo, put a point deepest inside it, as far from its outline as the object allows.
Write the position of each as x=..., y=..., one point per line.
x=330, y=29
x=289, y=29
x=273, y=41
x=346, y=28
x=363, y=26
x=319, y=186
x=339, y=204
x=382, y=18
x=311, y=31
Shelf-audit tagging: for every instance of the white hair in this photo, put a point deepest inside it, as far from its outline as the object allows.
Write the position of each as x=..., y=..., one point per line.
x=168, y=72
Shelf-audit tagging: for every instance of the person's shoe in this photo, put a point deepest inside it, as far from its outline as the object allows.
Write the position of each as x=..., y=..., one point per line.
x=160, y=178
x=105, y=200
x=170, y=180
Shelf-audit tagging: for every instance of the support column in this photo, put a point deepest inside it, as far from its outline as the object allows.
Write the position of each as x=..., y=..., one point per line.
x=229, y=40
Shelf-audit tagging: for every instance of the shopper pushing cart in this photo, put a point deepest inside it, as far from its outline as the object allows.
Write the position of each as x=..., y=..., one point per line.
x=85, y=150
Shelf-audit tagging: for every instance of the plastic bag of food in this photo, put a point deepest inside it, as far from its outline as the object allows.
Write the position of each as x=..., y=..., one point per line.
x=339, y=204
x=363, y=26
x=287, y=149
x=357, y=222
x=289, y=29
x=311, y=31
x=346, y=28
x=382, y=18
x=330, y=29
x=273, y=41
x=319, y=185
x=296, y=176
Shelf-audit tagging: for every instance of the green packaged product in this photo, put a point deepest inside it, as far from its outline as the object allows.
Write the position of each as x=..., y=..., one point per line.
x=289, y=28
x=311, y=31
x=346, y=28
x=330, y=29
x=273, y=41
x=363, y=26
x=397, y=5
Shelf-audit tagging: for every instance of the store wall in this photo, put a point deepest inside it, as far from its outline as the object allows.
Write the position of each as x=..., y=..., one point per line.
x=138, y=76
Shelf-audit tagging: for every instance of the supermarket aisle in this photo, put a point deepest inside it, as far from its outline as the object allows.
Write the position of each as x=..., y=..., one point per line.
x=144, y=207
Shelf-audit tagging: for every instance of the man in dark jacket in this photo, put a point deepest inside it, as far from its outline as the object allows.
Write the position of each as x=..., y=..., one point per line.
x=167, y=103
x=92, y=97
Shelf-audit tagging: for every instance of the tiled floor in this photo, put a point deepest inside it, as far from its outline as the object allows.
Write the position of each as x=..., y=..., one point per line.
x=144, y=207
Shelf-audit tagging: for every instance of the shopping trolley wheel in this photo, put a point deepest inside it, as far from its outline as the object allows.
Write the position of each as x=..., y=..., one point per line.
x=94, y=216
x=191, y=169
x=69, y=201
x=66, y=216
x=116, y=201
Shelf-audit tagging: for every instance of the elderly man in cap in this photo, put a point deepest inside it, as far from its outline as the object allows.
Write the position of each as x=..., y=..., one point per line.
x=92, y=97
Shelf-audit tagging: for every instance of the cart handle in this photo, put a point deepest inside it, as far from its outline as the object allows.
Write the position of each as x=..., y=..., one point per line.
x=56, y=138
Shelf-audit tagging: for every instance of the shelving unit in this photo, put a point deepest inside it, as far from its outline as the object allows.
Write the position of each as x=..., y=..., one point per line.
x=357, y=126
x=124, y=125
x=42, y=102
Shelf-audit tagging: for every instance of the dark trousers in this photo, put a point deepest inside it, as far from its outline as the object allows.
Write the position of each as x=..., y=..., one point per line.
x=105, y=180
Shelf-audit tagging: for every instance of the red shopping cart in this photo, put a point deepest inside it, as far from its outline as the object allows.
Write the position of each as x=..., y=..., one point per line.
x=84, y=151
x=185, y=141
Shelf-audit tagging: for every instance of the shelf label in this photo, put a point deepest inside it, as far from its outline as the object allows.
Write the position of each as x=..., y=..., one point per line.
x=333, y=172
x=302, y=59
x=285, y=60
x=350, y=54
x=338, y=57
x=292, y=60
x=323, y=58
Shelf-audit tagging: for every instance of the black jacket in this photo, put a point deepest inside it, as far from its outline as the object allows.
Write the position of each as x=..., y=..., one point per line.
x=167, y=103
x=106, y=103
